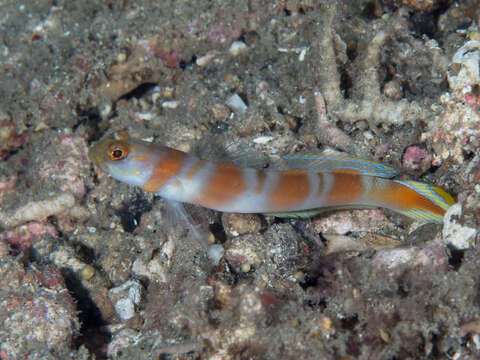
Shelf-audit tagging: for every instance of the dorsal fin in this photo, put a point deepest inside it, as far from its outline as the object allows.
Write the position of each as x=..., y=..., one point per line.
x=335, y=163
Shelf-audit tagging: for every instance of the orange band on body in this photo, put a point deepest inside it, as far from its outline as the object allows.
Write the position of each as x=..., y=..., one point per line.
x=346, y=188
x=292, y=189
x=169, y=166
x=223, y=186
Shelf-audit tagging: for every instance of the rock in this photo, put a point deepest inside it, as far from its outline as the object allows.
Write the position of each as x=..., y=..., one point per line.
x=464, y=70
x=454, y=234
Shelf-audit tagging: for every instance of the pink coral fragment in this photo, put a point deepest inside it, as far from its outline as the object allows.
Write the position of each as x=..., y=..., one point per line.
x=473, y=100
x=23, y=236
x=412, y=157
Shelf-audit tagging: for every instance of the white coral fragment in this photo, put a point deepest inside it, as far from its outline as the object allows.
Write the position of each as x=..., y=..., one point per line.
x=459, y=236
x=38, y=210
x=468, y=58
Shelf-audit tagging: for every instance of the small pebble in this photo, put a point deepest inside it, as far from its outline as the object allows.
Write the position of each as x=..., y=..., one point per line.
x=384, y=336
x=220, y=112
x=393, y=89
x=241, y=252
x=299, y=275
x=211, y=238
x=246, y=267
x=236, y=103
x=168, y=92
x=237, y=48
x=215, y=253
x=170, y=104
x=87, y=272
x=121, y=57
x=238, y=224
x=326, y=323
x=223, y=293
x=125, y=308
x=204, y=60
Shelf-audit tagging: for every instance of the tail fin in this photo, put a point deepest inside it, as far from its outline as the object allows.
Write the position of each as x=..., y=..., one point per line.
x=439, y=198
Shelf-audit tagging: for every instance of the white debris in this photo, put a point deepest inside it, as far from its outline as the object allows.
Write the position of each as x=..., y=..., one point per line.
x=144, y=116
x=125, y=309
x=237, y=48
x=303, y=52
x=132, y=288
x=172, y=104
x=106, y=111
x=204, y=60
x=460, y=237
x=153, y=269
x=135, y=293
x=215, y=253
x=126, y=297
x=236, y=103
x=296, y=50
x=262, y=140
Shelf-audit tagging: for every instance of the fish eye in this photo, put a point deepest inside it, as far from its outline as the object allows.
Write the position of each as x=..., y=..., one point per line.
x=117, y=152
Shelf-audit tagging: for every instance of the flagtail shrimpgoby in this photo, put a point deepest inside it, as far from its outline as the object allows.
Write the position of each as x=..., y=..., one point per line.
x=314, y=183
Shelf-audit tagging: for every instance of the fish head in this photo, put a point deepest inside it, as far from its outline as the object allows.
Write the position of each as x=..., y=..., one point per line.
x=124, y=158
